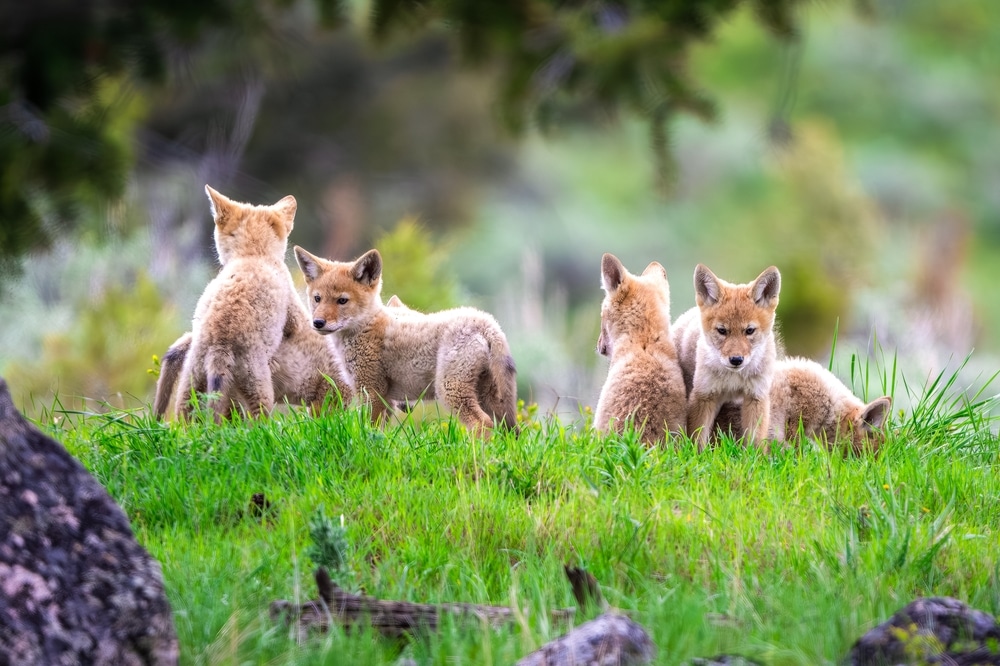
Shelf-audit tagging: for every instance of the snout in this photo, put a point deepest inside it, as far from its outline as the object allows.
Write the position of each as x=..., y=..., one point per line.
x=324, y=327
x=735, y=361
x=321, y=327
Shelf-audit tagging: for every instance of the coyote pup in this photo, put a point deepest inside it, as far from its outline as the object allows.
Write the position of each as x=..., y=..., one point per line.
x=806, y=393
x=644, y=379
x=458, y=356
x=727, y=351
x=250, y=333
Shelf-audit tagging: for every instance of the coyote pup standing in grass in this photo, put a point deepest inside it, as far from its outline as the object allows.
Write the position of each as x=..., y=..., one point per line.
x=249, y=334
x=727, y=350
x=459, y=356
x=644, y=379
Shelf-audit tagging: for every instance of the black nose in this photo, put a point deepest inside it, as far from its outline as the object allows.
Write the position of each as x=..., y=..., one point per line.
x=735, y=361
x=319, y=323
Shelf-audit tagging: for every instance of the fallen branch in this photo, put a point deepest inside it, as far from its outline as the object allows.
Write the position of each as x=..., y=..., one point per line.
x=390, y=618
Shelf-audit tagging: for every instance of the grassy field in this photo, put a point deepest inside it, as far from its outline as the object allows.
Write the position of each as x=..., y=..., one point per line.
x=786, y=558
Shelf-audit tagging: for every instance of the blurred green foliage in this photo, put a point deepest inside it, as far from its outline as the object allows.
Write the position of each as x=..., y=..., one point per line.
x=64, y=140
x=61, y=146
x=102, y=356
x=414, y=268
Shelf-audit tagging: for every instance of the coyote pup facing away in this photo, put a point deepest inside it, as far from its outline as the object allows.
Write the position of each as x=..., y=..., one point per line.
x=458, y=356
x=644, y=379
x=727, y=351
x=248, y=334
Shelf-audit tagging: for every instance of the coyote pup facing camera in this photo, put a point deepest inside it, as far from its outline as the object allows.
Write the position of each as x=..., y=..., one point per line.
x=727, y=350
x=644, y=381
x=458, y=356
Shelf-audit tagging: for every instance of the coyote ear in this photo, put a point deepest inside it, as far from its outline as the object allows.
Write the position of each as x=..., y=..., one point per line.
x=285, y=210
x=655, y=268
x=612, y=272
x=766, y=287
x=368, y=269
x=876, y=412
x=706, y=286
x=219, y=204
x=287, y=206
x=308, y=264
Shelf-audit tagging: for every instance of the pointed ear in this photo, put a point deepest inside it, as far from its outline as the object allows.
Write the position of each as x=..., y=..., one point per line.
x=706, y=286
x=219, y=204
x=308, y=264
x=286, y=206
x=612, y=272
x=368, y=269
x=876, y=413
x=655, y=268
x=766, y=287
x=286, y=210
x=394, y=302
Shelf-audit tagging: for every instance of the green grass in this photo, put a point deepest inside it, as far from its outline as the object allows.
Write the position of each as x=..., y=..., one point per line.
x=786, y=557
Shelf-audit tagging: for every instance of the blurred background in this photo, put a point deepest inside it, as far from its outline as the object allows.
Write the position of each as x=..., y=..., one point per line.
x=493, y=151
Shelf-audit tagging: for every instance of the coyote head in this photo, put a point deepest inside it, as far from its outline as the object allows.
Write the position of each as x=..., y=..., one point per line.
x=635, y=307
x=864, y=424
x=245, y=230
x=737, y=320
x=342, y=295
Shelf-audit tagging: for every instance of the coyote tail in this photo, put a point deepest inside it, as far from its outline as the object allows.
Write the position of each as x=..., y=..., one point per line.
x=170, y=370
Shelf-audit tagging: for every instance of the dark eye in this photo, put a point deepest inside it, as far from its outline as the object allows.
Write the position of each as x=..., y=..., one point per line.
x=721, y=330
x=750, y=330
x=342, y=300
x=316, y=297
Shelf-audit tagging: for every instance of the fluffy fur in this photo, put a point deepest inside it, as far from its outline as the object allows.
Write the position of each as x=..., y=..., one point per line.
x=644, y=380
x=250, y=339
x=806, y=393
x=727, y=351
x=806, y=396
x=458, y=356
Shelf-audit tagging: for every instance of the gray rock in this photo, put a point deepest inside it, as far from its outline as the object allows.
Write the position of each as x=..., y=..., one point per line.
x=935, y=630
x=607, y=640
x=75, y=586
x=723, y=660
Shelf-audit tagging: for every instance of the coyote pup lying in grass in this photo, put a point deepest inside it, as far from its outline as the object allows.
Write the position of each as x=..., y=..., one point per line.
x=250, y=338
x=644, y=379
x=458, y=356
x=727, y=350
x=806, y=395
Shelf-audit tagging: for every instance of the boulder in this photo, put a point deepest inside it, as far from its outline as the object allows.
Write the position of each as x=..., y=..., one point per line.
x=934, y=630
x=75, y=586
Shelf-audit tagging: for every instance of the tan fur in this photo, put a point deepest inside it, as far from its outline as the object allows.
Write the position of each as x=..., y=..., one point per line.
x=806, y=395
x=250, y=339
x=459, y=356
x=644, y=381
x=397, y=303
x=732, y=322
